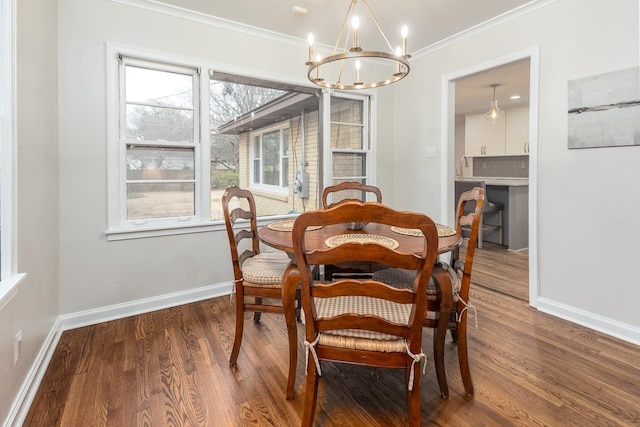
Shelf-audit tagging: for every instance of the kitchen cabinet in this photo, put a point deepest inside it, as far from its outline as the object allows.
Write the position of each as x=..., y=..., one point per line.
x=513, y=193
x=483, y=138
x=509, y=136
x=517, y=132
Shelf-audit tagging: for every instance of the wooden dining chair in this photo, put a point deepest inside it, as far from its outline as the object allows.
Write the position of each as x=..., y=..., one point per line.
x=339, y=193
x=257, y=275
x=363, y=321
x=459, y=271
x=349, y=190
x=490, y=208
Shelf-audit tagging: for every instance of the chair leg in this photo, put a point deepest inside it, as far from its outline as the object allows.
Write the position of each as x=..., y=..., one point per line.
x=290, y=282
x=237, y=340
x=500, y=222
x=463, y=357
x=413, y=396
x=438, y=354
x=328, y=273
x=257, y=314
x=480, y=231
x=311, y=396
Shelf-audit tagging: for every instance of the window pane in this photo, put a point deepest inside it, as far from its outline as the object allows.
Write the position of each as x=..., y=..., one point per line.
x=271, y=158
x=285, y=142
x=160, y=163
x=346, y=110
x=159, y=124
x=158, y=87
x=348, y=165
x=346, y=137
x=256, y=171
x=285, y=172
x=160, y=200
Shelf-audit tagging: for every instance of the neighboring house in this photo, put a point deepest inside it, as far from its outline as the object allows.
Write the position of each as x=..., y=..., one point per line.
x=280, y=150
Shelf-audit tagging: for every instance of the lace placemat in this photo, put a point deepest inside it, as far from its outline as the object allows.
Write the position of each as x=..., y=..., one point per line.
x=340, y=239
x=287, y=225
x=443, y=231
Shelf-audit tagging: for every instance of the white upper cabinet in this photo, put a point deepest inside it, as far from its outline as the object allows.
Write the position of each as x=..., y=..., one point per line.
x=517, y=132
x=483, y=138
x=509, y=136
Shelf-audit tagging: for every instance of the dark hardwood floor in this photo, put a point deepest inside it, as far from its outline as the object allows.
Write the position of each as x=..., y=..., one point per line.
x=170, y=368
x=497, y=268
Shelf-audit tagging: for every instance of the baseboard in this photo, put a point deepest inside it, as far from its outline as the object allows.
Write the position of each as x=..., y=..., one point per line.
x=599, y=323
x=131, y=308
x=21, y=405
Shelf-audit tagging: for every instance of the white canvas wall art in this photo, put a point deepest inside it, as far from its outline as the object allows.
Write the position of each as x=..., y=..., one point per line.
x=604, y=110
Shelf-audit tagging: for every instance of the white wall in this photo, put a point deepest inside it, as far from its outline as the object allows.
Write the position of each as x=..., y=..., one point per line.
x=587, y=199
x=95, y=273
x=34, y=309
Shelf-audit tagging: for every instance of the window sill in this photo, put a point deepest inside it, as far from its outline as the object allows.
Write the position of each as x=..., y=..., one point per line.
x=128, y=234
x=141, y=233
x=276, y=194
x=9, y=288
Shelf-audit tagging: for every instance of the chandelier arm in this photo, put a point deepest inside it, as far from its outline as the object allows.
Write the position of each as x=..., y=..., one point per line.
x=346, y=18
x=378, y=25
x=346, y=41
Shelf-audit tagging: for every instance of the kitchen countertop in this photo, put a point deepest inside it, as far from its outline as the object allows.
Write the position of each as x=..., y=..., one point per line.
x=508, y=182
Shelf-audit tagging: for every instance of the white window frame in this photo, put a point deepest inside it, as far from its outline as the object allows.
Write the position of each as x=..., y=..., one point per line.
x=9, y=277
x=252, y=156
x=369, y=107
x=119, y=227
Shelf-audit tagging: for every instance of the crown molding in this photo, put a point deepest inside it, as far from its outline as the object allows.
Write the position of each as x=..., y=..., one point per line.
x=203, y=18
x=484, y=26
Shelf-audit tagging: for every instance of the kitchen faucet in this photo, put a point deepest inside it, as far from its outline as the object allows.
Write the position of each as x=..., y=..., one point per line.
x=462, y=159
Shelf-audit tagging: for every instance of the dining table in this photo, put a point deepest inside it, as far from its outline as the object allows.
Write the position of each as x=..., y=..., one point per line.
x=278, y=235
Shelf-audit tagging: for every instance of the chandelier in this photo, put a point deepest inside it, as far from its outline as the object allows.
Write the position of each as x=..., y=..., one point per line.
x=494, y=112
x=343, y=68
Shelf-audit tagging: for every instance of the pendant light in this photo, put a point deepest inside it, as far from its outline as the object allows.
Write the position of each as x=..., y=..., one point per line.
x=494, y=113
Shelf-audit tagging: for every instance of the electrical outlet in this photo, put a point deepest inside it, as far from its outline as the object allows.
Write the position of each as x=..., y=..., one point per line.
x=17, y=344
x=431, y=151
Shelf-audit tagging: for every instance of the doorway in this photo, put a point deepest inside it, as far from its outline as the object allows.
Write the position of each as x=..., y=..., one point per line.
x=469, y=93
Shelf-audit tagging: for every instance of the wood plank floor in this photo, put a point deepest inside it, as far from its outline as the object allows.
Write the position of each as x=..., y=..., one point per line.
x=502, y=270
x=170, y=368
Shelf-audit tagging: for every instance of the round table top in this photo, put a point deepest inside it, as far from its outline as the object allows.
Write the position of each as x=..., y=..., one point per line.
x=282, y=240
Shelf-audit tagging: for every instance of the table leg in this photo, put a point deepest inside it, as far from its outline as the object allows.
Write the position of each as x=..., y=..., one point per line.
x=290, y=282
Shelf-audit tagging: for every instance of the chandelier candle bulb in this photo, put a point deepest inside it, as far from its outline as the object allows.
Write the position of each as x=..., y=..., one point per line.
x=404, y=32
x=398, y=54
x=355, y=24
x=310, y=39
x=358, y=66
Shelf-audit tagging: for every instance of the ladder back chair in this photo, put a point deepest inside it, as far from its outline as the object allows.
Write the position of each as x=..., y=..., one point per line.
x=257, y=275
x=349, y=190
x=459, y=272
x=340, y=193
x=489, y=208
x=363, y=321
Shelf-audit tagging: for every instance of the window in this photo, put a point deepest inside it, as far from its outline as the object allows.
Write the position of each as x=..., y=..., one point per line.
x=177, y=139
x=270, y=157
x=158, y=145
x=9, y=278
x=349, y=141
